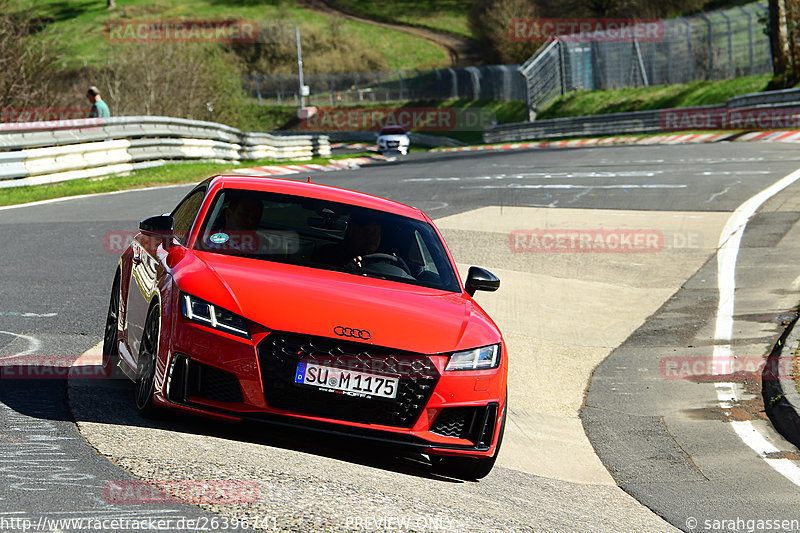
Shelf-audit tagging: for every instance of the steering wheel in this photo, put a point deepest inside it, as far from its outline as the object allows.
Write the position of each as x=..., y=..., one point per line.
x=386, y=258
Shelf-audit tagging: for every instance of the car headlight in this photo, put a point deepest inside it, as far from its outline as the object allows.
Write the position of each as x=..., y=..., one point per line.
x=477, y=359
x=210, y=315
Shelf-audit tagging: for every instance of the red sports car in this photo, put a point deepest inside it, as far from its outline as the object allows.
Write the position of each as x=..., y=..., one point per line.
x=295, y=303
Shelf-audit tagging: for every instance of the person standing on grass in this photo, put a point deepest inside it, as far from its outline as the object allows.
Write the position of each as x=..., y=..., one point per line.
x=99, y=107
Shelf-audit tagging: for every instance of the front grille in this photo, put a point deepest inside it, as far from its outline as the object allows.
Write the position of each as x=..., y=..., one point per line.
x=392, y=144
x=280, y=353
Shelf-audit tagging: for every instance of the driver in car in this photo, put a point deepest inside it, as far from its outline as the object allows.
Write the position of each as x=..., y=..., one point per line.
x=362, y=238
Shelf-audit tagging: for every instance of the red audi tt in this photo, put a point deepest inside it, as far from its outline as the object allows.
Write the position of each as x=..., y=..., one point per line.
x=295, y=303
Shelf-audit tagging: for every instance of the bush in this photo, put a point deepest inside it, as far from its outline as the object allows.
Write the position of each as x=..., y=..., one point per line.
x=199, y=82
x=324, y=50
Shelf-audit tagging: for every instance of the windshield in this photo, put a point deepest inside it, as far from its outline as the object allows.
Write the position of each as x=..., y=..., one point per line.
x=326, y=235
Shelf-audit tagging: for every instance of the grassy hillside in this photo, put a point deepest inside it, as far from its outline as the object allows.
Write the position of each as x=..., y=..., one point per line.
x=580, y=103
x=81, y=24
x=451, y=15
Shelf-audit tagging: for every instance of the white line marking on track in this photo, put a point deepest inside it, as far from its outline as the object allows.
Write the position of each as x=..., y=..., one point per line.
x=729, y=241
x=565, y=186
x=33, y=345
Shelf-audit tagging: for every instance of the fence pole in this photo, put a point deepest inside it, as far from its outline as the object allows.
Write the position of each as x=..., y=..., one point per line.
x=668, y=35
x=730, y=44
x=402, y=85
x=749, y=38
x=561, y=66
x=639, y=59
x=710, y=73
x=690, y=58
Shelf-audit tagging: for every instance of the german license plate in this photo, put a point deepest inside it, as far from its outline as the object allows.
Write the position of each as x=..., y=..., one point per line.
x=346, y=381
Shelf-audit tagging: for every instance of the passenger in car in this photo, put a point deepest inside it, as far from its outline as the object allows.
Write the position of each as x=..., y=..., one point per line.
x=234, y=231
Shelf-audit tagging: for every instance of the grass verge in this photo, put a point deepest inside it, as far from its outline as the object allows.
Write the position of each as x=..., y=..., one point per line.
x=171, y=174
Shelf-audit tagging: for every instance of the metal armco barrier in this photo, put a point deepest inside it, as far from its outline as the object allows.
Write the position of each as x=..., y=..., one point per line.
x=643, y=122
x=33, y=153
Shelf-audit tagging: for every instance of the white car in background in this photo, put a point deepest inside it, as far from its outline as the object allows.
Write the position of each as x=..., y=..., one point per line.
x=393, y=139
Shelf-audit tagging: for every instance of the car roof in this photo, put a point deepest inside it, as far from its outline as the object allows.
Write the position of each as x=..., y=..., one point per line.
x=393, y=129
x=314, y=190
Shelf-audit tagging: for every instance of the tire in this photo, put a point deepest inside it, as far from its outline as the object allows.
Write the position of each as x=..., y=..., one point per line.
x=469, y=468
x=146, y=364
x=110, y=361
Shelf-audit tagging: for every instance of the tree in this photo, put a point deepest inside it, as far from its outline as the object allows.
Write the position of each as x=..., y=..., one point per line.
x=492, y=22
x=779, y=43
x=27, y=61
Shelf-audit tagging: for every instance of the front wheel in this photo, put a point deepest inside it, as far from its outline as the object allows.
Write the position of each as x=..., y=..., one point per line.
x=146, y=364
x=470, y=468
x=110, y=360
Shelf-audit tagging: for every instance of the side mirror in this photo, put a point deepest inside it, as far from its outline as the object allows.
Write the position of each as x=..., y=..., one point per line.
x=480, y=279
x=163, y=225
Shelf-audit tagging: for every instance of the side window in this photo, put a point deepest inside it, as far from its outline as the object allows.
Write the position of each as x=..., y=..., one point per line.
x=186, y=212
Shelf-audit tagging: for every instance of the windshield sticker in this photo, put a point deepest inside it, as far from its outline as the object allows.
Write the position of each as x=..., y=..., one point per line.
x=219, y=238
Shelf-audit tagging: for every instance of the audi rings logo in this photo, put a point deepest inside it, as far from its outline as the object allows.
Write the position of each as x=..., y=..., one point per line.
x=353, y=333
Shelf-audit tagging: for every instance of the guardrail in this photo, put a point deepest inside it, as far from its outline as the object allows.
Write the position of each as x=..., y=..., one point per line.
x=33, y=153
x=643, y=122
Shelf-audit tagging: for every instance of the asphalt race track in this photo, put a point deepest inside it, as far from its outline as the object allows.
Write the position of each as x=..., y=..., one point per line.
x=607, y=431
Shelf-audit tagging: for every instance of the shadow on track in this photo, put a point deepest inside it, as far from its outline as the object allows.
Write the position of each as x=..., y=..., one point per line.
x=50, y=395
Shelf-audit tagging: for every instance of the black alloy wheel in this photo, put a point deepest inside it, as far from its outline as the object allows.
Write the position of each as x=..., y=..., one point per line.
x=146, y=364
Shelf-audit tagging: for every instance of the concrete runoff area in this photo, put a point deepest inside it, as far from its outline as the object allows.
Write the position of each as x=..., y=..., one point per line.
x=548, y=308
x=562, y=311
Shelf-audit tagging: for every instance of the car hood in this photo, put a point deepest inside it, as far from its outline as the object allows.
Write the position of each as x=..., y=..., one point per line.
x=314, y=302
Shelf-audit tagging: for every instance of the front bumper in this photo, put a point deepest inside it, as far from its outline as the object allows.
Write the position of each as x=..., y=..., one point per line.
x=452, y=413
